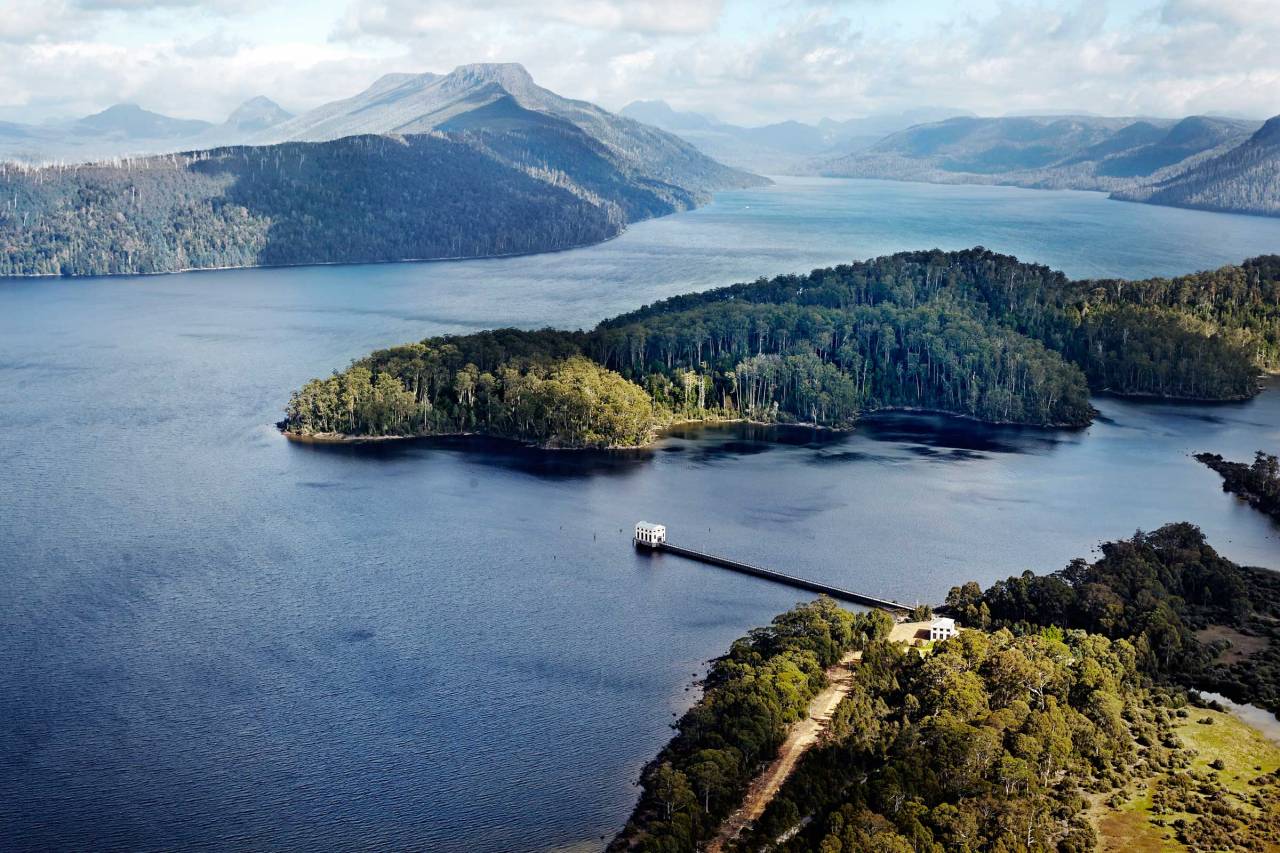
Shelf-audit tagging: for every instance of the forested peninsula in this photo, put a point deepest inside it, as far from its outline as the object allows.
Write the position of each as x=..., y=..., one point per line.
x=1258, y=483
x=971, y=333
x=1064, y=714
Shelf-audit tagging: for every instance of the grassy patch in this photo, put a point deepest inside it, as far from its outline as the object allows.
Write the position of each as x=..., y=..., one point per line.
x=1245, y=754
x=1240, y=747
x=1129, y=827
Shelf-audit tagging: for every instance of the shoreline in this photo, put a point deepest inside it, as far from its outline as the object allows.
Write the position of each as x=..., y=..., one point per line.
x=664, y=432
x=300, y=264
x=447, y=259
x=1146, y=397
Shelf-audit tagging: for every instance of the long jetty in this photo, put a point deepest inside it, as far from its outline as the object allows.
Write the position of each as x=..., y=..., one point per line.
x=659, y=543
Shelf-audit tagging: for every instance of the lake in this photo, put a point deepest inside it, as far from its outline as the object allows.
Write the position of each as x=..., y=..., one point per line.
x=215, y=638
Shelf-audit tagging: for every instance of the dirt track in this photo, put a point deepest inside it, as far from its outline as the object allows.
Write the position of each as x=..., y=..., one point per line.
x=803, y=735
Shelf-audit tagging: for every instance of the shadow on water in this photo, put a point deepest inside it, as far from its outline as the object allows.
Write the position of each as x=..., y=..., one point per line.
x=931, y=436
x=930, y=433
x=490, y=452
x=1211, y=412
x=706, y=443
x=700, y=444
x=850, y=456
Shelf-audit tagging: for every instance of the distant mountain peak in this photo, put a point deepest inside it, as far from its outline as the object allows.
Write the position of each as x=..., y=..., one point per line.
x=497, y=98
x=510, y=76
x=657, y=106
x=494, y=72
x=120, y=112
x=258, y=102
x=131, y=120
x=257, y=113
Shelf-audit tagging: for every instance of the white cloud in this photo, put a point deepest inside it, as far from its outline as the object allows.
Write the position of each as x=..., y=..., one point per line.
x=1240, y=14
x=399, y=19
x=745, y=60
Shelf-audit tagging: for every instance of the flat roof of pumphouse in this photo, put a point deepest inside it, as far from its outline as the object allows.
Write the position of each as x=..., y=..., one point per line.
x=648, y=525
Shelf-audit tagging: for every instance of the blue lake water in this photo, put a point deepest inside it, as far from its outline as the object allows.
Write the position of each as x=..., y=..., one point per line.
x=218, y=639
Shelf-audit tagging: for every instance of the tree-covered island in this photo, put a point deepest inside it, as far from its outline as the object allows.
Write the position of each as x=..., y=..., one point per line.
x=970, y=333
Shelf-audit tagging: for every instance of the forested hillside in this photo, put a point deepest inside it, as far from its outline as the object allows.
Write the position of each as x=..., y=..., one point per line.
x=1245, y=179
x=1202, y=336
x=971, y=333
x=1169, y=593
x=992, y=742
x=357, y=199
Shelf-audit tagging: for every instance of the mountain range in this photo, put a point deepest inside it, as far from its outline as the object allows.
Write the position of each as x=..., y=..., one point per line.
x=783, y=147
x=502, y=97
x=1200, y=161
x=482, y=161
x=128, y=129
x=1207, y=162
x=477, y=162
x=1244, y=179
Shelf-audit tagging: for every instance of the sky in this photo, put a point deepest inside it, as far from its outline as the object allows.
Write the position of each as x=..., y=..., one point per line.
x=747, y=61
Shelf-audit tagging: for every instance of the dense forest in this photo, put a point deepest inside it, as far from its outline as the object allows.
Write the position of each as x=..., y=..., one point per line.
x=357, y=199
x=1073, y=699
x=570, y=402
x=750, y=697
x=971, y=333
x=1177, y=600
x=1202, y=336
x=1259, y=483
x=1010, y=742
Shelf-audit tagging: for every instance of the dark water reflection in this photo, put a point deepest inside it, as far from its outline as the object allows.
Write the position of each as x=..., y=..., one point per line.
x=216, y=638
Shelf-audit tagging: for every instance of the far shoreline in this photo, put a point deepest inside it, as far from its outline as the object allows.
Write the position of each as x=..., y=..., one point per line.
x=345, y=439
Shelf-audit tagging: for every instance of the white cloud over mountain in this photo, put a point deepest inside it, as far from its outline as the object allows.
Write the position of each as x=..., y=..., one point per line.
x=743, y=60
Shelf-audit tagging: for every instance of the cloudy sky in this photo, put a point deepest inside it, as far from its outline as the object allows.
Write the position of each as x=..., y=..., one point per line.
x=743, y=60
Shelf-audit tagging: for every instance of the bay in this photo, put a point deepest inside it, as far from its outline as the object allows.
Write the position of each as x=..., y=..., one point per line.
x=218, y=639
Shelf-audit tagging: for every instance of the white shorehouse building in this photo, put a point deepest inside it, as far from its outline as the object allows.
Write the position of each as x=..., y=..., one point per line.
x=650, y=535
x=942, y=628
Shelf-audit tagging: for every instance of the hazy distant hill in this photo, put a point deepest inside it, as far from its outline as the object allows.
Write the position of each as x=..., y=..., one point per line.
x=130, y=130
x=502, y=96
x=473, y=170
x=782, y=147
x=1245, y=179
x=130, y=121
x=1068, y=152
x=255, y=115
